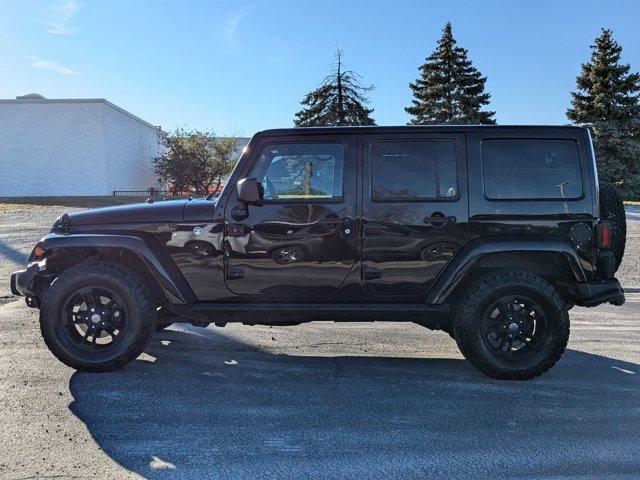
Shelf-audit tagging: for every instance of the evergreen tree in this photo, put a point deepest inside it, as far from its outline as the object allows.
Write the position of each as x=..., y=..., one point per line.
x=339, y=100
x=607, y=102
x=450, y=89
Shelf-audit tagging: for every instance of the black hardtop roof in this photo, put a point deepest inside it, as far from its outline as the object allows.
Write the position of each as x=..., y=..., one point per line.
x=415, y=128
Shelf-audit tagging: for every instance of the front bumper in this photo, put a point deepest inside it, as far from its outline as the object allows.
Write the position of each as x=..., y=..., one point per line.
x=22, y=280
x=602, y=291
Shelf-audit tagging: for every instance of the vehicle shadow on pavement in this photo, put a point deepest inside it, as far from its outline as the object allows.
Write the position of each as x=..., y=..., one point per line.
x=210, y=406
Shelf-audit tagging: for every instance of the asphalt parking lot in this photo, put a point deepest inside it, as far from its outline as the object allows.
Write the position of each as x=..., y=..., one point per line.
x=322, y=400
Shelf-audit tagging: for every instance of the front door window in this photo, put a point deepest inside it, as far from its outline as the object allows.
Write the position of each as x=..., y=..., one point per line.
x=311, y=171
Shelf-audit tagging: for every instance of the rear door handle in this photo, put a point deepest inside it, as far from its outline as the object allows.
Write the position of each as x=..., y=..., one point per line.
x=437, y=220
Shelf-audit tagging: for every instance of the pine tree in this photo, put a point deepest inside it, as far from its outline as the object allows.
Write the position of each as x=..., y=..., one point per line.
x=607, y=102
x=339, y=100
x=450, y=89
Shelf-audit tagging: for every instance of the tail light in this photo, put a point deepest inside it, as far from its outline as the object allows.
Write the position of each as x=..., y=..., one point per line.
x=605, y=235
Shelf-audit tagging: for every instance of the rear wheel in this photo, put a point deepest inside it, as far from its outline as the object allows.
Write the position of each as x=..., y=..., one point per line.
x=512, y=325
x=97, y=317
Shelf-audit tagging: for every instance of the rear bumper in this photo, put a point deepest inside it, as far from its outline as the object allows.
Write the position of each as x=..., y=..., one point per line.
x=598, y=292
x=22, y=280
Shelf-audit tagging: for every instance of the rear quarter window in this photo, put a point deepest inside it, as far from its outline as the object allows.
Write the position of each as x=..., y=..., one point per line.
x=531, y=169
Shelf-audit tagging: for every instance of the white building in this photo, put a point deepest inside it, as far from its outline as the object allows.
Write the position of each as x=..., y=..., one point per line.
x=73, y=147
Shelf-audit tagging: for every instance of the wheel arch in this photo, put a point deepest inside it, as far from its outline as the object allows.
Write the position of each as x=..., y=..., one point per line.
x=157, y=269
x=553, y=260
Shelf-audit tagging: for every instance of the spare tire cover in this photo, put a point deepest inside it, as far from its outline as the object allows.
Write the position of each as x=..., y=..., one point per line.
x=612, y=211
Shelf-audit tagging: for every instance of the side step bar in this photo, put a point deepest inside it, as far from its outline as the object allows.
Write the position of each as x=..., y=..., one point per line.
x=287, y=313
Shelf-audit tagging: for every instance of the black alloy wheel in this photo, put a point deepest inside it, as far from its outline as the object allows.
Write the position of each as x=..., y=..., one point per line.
x=514, y=327
x=511, y=325
x=95, y=318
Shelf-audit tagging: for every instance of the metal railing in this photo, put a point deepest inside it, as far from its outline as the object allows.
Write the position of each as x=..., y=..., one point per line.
x=150, y=193
x=162, y=193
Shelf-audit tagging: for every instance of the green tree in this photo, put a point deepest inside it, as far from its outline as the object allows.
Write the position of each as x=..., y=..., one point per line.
x=339, y=100
x=606, y=101
x=450, y=89
x=195, y=160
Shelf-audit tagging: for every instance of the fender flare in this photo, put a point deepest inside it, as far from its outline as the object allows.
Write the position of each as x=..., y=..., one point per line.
x=173, y=285
x=467, y=257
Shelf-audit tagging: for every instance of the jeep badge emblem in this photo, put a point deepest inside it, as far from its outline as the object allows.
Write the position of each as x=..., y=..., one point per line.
x=197, y=231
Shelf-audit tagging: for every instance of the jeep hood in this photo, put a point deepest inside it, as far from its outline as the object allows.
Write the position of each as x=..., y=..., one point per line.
x=157, y=211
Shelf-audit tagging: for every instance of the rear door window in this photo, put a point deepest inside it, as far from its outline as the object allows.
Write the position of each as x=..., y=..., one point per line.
x=413, y=170
x=541, y=169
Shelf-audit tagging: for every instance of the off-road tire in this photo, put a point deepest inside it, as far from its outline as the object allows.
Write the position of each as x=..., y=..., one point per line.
x=476, y=300
x=612, y=211
x=141, y=313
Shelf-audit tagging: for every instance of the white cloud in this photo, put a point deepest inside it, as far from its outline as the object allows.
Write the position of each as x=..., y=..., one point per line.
x=229, y=30
x=60, y=15
x=37, y=62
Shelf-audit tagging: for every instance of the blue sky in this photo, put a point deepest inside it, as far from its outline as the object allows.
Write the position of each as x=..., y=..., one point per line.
x=242, y=66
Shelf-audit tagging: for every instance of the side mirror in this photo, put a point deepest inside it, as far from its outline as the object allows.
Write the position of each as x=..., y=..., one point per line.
x=250, y=191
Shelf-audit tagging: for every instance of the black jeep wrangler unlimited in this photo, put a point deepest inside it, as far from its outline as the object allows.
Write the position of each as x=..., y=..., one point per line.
x=489, y=233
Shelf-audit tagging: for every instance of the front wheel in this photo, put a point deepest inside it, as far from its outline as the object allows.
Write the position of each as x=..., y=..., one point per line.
x=512, y=326
x=97, y=317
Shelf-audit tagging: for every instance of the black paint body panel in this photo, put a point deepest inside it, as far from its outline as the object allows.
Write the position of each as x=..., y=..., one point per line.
x=391, y=254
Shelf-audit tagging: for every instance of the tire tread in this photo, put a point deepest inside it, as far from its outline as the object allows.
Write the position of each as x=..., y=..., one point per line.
x=136, y=289
x=467, y=312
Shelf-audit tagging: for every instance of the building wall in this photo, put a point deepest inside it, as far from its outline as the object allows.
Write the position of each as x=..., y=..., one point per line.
x=73, y=148
x=130, y=147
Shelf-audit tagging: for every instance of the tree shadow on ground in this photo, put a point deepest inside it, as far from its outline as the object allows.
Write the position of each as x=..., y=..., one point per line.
x=212, y=407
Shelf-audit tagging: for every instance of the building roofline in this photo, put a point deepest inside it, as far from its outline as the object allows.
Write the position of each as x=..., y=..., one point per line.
x=28, y=101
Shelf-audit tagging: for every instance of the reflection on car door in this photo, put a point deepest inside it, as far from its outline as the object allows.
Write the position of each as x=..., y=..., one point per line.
x=301, y=242
x=415, y=209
